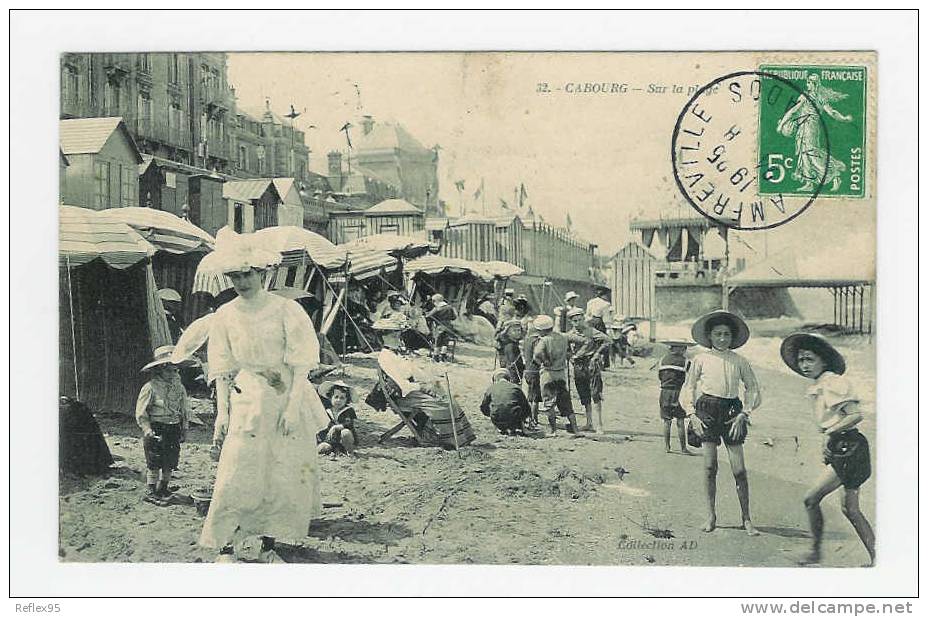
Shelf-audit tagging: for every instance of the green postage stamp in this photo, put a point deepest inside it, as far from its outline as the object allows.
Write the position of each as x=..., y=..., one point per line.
x=815, y=141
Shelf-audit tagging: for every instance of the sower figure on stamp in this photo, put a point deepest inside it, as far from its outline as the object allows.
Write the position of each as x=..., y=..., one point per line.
x=587, y=346
x=846, y=452
x=551, y=355
x=672, y=371
x=716, y=377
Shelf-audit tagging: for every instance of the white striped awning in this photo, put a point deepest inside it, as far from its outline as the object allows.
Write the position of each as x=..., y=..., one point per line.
x=164, y=230
x=365, y=264
x=84, y=236
x=290, y=238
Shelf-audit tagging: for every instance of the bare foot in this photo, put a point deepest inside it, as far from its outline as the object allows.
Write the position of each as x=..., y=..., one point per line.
x=709, y=527
x=749, y=527
x=811, y=558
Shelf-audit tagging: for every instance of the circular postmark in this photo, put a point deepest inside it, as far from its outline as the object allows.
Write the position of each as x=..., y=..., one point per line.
x=726, y=165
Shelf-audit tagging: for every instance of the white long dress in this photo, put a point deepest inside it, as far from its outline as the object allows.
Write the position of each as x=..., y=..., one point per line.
x=266, y=483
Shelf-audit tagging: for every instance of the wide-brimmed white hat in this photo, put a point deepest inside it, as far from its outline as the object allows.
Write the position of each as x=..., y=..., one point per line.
x=574, y=312
x=678, y=343
x=162, y=356
x=832, y=358
x=326, y=387
x=242, y=252
x=739, y=329
x=570, y=295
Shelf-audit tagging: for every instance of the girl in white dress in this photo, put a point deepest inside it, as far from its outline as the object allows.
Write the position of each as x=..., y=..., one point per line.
x=261, y=349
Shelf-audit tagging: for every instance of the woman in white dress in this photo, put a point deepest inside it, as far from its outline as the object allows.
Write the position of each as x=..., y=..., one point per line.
x=261, y=349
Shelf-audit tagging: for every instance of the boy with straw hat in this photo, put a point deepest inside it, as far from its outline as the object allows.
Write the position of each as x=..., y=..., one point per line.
x=717, y=376
x=161, y=412
x=846, y=451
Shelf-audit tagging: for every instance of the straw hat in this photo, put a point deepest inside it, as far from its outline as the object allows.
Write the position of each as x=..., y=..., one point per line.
x=574, y=312
x=162, y=356
x=543, y=322
x=326, y=387
x=168, y=295
x=509, y=291
x=570, y=295
x=739, y=329
x=436, y=298
x=789, y=351
x=240, y=253
x=395, y=295
x=678, y=343
x=512, y=323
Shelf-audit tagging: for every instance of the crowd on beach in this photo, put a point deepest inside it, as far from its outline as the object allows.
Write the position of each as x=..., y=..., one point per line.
x=272, y=423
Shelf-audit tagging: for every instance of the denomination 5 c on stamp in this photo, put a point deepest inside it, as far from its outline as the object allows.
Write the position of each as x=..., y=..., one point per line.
x=798, y=153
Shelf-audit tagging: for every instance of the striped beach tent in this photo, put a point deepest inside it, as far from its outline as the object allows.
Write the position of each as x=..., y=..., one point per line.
x=110, y=316
x=166, y=231
x=85, y=236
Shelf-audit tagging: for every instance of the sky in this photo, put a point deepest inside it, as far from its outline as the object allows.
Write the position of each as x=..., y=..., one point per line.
x=602, y=158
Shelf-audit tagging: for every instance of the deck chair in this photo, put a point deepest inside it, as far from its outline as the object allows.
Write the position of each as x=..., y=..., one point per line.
x=423, y=436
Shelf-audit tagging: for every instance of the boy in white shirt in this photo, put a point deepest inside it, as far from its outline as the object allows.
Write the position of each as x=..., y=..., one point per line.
x=716, y=378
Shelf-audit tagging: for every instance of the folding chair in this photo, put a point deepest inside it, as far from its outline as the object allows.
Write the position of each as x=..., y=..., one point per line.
x=423, y=436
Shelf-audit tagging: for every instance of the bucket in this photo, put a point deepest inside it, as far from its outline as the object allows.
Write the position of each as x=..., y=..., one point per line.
x=201, y=499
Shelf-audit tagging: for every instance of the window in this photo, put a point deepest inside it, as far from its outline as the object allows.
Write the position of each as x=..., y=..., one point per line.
x=170, y=179
x=101, y=172
x=144, y=114
x=242, y=157
x=238, y=219
x=111, y=99
x=174, y=69
x=69, y=86
x=143, y=63
x=130, y=186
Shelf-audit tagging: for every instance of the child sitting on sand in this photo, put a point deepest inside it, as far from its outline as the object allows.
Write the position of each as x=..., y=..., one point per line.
x=717, y=376
x=505, y=404
x=672, y=371
x=161, y=412
x=846, y=451
x=339, y=437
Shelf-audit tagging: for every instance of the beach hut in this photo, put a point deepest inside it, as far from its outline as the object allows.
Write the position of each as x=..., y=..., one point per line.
x=110, y=316
x=102, y=164
x=179, y=246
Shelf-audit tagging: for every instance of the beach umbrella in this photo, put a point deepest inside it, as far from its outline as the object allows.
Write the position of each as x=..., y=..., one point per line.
x=164, y=230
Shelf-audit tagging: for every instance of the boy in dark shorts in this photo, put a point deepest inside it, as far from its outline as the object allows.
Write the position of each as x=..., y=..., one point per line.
x=717, y=376
x=586, y=354
x=551, y=355
x=509, y=349
x=532, y=372
x=846, y=452
x=161, y=412
x=672, y=371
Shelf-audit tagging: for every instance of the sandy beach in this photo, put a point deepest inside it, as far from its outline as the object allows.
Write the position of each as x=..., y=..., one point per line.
x=613, y=498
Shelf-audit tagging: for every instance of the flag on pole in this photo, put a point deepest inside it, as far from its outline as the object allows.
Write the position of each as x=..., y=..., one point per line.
x=570, y=223
x=479, y=190
x=504, y=205
x=459, y=184
x=523, y=195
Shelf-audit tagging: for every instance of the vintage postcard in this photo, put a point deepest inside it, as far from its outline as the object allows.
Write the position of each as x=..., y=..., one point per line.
x=468, y=308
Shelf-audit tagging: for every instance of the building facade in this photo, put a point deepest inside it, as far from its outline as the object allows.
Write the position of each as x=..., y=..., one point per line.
x=391, y=153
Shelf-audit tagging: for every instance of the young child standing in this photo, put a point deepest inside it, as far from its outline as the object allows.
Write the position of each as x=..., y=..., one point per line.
x=717, y=376
x=587, y=346
x=339, y=437
x=509, y=349
x=846, y=452
x=551, y=353
x=161, y=412
x=532, y=371
x=672, y=371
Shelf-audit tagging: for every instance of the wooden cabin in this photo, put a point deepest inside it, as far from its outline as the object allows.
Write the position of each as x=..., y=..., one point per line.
x=290, y=212
x=103, y=162
x=391, y=216
x=183, y=190
x=251, y=204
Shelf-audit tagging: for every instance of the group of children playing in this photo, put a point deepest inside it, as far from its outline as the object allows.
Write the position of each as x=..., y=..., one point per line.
x=541, y=356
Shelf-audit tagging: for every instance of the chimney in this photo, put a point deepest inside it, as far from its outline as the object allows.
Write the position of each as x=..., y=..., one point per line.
x=367, y=124
x=335, y=164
